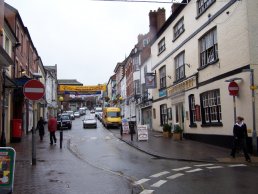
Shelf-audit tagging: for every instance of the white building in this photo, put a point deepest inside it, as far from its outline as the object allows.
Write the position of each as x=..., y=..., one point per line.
x=51, y=91
x=200, y=47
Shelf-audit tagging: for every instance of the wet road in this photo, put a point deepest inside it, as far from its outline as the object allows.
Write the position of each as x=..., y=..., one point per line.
x=138, y=172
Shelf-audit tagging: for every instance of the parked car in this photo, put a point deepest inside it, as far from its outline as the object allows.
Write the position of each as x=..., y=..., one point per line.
x=66, y=121
x=70, y=112
x=77, y=114
x=98, y=111
x=89, y=121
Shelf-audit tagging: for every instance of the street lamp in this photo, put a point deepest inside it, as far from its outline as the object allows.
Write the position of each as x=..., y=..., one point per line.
x=61, y=99
x=253, y=88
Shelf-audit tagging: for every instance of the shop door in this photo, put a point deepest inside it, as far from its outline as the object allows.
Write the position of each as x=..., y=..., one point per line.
x=180, y=118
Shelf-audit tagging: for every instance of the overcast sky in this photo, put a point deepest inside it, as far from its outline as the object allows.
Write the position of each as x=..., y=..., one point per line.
x=86, y=39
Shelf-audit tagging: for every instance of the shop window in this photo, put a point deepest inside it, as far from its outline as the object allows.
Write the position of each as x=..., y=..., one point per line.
x=163, y=114
x=192, y=110
x=154, y=113
x=211, y=108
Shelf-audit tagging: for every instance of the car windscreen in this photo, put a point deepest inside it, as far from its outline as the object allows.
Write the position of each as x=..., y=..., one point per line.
x=65, y=117
x=113, y=114
x=89, y=118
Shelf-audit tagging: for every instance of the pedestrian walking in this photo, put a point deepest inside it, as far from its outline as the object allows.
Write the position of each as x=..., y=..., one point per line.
x=240, y=136
x=52, y=126
x=40, y=127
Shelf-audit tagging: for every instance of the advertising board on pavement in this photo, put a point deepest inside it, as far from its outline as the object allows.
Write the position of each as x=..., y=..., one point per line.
x=125, y=126
x=142, y=132
x=7, y=166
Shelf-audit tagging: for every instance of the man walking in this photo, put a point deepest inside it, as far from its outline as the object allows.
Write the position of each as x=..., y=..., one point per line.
x=52, y=126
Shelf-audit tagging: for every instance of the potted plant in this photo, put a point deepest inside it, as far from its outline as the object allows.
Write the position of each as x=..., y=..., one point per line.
x=167, y=130
x=177, y=132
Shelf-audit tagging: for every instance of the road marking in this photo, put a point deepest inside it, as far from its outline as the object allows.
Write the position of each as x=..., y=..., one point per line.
x=214, y=167
x=236, y=165
x=203, y=165
x=159, y=183
x=194, y=170
x=175, y=176
x=147, y=192
x=107, y=137
x=93, y=138
x=159, y=174
x=141, y=181
x=183, y=168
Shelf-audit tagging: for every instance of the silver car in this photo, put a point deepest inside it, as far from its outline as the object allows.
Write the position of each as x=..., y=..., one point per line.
x=89, y=121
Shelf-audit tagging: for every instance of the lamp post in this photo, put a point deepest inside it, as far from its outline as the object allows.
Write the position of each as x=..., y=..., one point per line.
x=3, y=139
x=121, y=127
x=254, y=135
x=61, y=99
x=253, y=88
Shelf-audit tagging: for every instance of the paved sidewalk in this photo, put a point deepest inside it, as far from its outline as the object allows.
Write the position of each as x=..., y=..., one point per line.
x=185, y=150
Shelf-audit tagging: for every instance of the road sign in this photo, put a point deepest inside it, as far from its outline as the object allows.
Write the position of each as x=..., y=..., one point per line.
x=233, y=88
x=33, y=89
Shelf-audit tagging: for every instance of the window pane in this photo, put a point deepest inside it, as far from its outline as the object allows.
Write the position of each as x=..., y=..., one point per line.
x=208, y=48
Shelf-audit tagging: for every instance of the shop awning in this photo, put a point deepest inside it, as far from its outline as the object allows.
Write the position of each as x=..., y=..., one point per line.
x=9, y=83
x=5, y=59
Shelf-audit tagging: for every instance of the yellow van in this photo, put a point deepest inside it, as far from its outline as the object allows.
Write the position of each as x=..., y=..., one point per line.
x=111, y=117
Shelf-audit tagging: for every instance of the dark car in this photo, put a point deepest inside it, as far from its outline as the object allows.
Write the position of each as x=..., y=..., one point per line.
x=71, y=114
x=66, y=121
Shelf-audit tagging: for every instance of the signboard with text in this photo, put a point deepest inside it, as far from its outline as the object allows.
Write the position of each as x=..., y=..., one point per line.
x=69, y=88
x=125, y=126
x=142, y=132
x=7, y=166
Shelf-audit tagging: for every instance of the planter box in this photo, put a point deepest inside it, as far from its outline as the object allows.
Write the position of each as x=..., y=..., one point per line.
x=166, y=134
x=177, y=136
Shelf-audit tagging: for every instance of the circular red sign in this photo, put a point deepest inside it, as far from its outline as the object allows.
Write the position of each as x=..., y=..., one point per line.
x=33, y=89
x=233, y=88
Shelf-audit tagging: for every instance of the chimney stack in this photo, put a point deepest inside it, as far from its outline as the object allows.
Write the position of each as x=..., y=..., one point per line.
x=157, y=19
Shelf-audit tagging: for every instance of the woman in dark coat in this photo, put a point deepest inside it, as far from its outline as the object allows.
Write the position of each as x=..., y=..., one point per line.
x=240, y=136
x=40, y=127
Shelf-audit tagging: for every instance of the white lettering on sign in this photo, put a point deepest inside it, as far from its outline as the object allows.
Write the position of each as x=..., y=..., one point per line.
x=142, y=132
x=34, y=90
x=233, y=88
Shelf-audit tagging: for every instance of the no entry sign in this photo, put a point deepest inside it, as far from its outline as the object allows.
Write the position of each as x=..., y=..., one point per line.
x=33, y=90
x=233, y=88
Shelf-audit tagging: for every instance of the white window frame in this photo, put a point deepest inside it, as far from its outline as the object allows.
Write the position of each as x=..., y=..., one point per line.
x=208, y=48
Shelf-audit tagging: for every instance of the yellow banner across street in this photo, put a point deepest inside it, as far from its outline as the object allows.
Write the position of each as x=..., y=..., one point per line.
x=63, y=88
